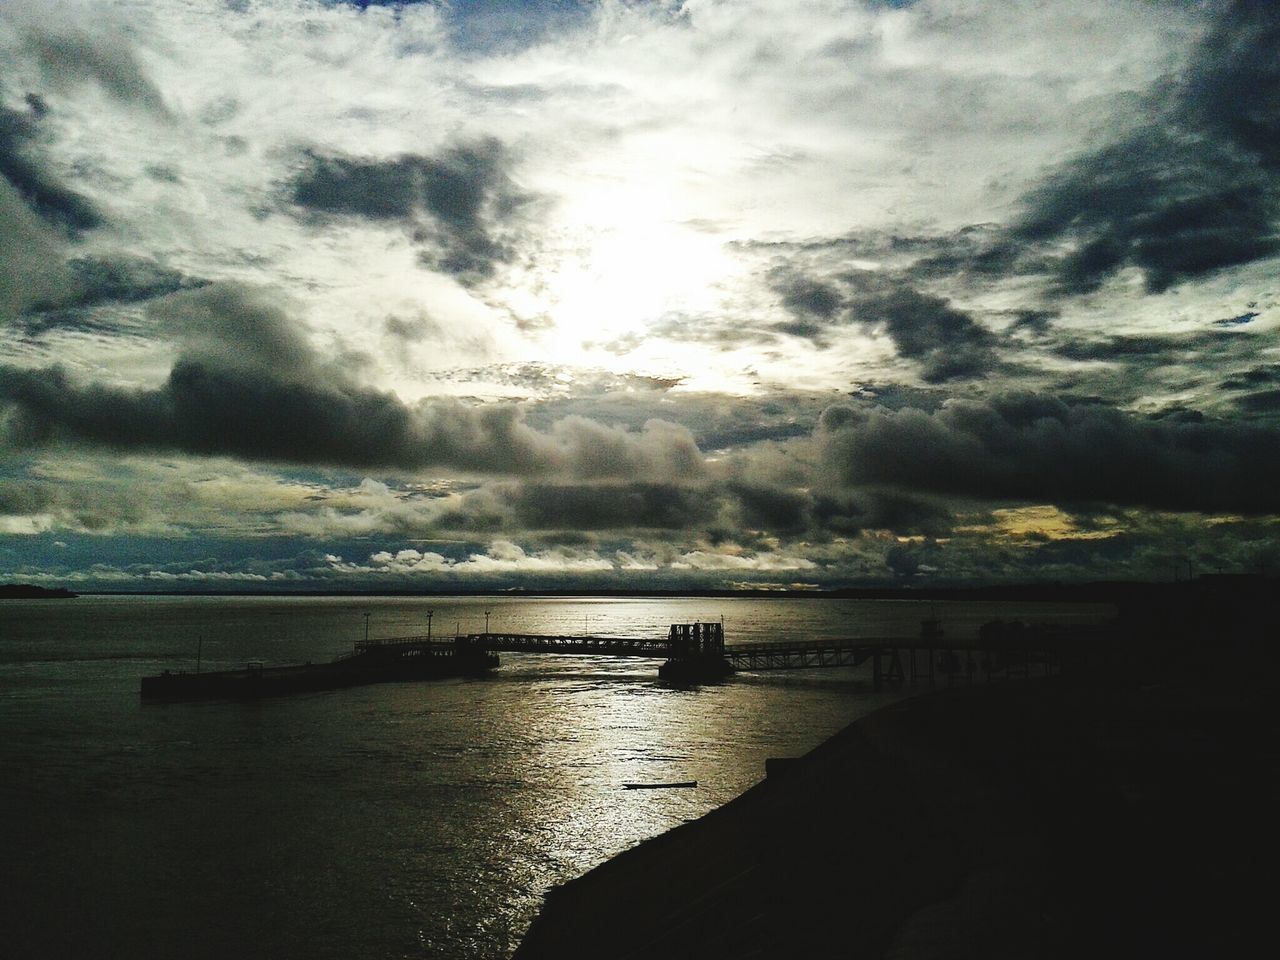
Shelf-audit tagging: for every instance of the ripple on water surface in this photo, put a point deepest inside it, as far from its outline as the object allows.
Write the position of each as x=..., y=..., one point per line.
x=399, y=820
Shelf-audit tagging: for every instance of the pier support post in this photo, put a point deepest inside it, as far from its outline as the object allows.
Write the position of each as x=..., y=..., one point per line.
x=894, y=673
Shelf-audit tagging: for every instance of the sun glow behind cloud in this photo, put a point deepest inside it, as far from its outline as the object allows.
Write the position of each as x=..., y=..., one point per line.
x=718, y=286
x=624, y=255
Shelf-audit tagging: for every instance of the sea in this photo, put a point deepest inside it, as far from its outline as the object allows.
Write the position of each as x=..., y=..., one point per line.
x=399, y=820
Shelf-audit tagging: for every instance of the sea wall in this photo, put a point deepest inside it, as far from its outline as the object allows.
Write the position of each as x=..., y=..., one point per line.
x=1038, y=818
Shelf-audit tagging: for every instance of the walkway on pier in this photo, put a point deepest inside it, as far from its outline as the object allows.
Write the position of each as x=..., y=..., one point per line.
x=551, y=643
x=536, y=643
x=894, y=659
x=794, y=656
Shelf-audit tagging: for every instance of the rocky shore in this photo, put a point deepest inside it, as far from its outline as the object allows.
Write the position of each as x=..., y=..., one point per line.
x=1040, y=818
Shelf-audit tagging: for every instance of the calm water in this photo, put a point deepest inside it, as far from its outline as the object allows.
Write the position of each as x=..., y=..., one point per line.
x=398, y=820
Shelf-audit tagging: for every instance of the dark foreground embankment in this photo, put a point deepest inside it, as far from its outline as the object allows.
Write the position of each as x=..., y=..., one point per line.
x=1016, y=820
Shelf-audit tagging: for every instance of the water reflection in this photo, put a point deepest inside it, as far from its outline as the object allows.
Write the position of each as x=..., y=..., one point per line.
x=403, y=819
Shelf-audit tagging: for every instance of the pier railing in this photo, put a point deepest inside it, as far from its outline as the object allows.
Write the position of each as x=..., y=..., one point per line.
x=788, y=656
x=433, y=644
x=555, y=643
x=526, y=643
x=893, y=659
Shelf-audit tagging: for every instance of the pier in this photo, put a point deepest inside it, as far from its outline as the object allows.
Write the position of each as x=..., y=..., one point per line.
x=541, y=643
x=403, y=659
x=694, y=652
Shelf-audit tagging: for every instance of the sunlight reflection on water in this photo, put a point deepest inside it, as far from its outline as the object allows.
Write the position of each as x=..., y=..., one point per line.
x=398, y=820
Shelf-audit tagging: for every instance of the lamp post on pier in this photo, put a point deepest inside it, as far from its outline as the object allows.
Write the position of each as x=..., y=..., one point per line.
x=486, y=623
x=367, y=615
x=430, y=614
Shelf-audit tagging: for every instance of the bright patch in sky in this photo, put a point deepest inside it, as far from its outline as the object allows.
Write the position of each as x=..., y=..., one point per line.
x=675, y=293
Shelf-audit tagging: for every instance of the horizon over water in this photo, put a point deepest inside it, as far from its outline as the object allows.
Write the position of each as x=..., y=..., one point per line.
x=387, y=821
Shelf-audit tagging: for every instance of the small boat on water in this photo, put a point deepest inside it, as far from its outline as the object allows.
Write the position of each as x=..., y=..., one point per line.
x=659, y=786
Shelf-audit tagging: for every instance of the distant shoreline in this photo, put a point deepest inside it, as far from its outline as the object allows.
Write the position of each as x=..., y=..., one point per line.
x=1093, y=592
x=23, y=591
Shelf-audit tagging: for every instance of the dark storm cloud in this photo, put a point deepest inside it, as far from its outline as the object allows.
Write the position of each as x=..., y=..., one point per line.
x=1169, y=205
x=32, y=268
x=1133, y=368
x=1190, y=189
x=1237, y=321
x=1253, y=378
x=948, y=343
x=807, y=296
x=814, y=304
x=229, y=327
x=461, y=204
x=738, y=510
x=1024, y=447
x=775, y=509
x=69, y=54
x=1032, y=321
x=93, y=282
x=724, y=436
x=909, y=559
x=126, y=279
x=1155, y=347
x=249, y=413
x=852, y=512
x=975, y=251
x=248, y=384
x=24, y=166
x=1263, y=402
x=1190, y=193
x=1231, y=88
x=652, y=506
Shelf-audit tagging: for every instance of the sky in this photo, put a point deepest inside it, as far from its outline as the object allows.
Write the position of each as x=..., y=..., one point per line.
x=315, y=294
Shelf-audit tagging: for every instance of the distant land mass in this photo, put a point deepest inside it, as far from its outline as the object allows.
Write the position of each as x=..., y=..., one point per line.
x=25, y=591
x=1102, y=591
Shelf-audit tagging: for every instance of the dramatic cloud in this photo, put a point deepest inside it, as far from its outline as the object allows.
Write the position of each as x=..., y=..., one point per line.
x=530, y=292
x=88, y=284
x=30, y=252
x=461, y=204
x=1192, y=191
x=647, y=506
x=76, y=44
x=248, y=384
x=1029, y=448
x=22, y=167
x=947, y=342
x=209, y=410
